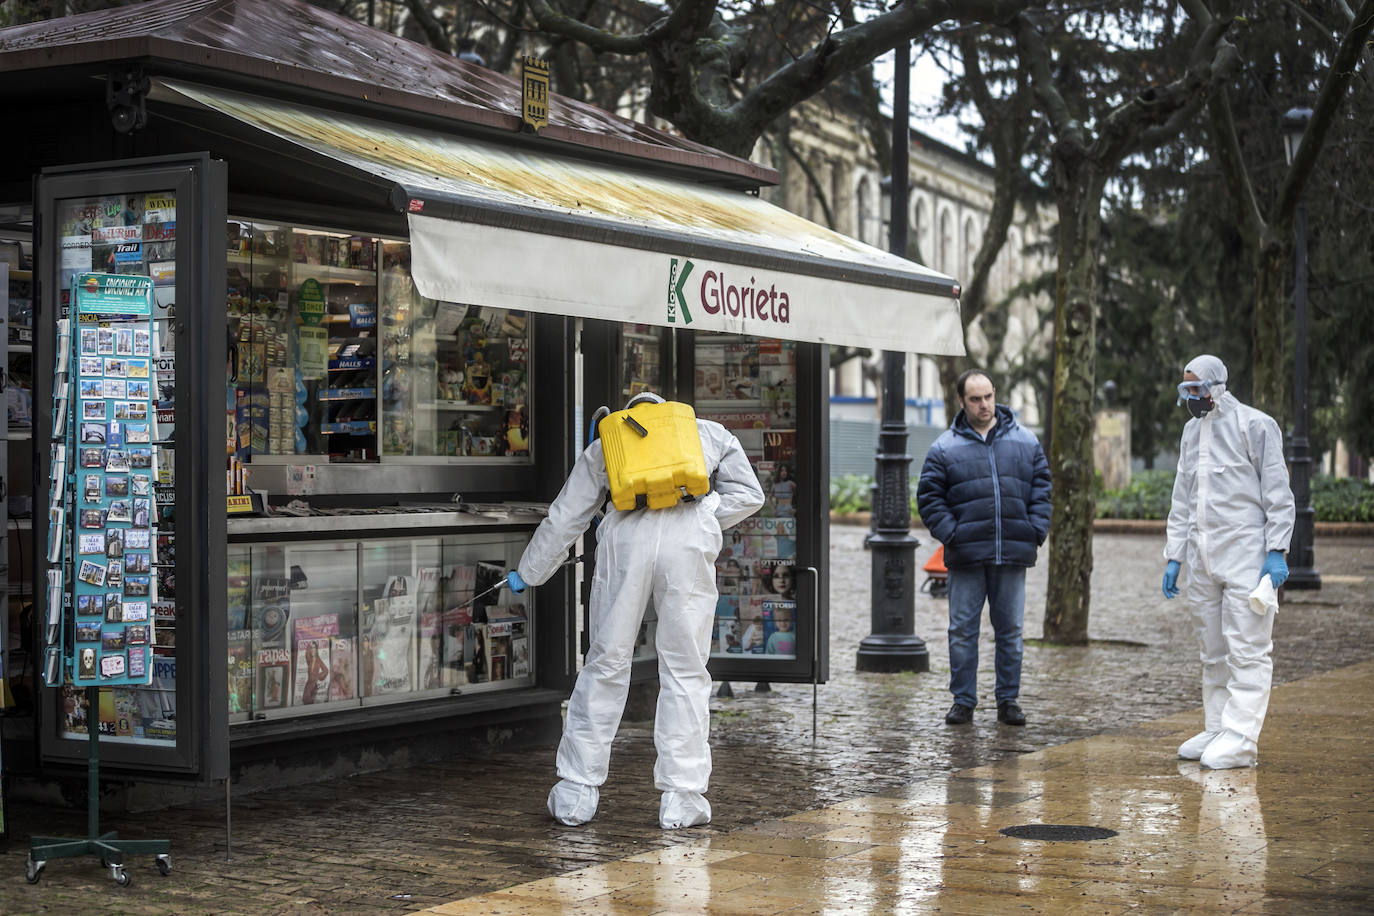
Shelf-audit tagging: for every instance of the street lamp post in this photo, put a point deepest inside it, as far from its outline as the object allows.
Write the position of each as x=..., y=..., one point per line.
x=1301, y=561
x=893, y=644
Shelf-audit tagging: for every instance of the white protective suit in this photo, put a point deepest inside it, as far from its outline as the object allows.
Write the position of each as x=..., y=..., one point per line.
x=666, y=554
x=1232, y=504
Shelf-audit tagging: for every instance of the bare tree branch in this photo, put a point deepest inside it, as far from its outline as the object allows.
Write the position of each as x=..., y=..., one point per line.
x=599, y=40
x=1035, y=54
x=812, y=180
x=1329, y=97
x=847, y=50
x=435, y=33
x=1249, y=219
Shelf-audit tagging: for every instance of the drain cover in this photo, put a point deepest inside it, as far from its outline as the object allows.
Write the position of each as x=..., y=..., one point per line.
x=1060, y=832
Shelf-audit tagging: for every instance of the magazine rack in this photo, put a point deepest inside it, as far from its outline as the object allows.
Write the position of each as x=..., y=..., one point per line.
x=108, y=846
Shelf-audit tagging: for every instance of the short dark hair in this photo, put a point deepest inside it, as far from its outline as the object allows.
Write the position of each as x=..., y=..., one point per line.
x=959, y=385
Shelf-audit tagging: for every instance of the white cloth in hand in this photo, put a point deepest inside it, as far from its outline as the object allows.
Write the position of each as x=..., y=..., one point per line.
x=1265, y=598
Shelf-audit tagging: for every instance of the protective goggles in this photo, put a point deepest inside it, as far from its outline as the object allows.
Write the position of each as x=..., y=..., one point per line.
x=1199, y=389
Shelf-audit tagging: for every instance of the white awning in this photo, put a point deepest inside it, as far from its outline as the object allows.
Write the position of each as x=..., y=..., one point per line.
x=527, y=229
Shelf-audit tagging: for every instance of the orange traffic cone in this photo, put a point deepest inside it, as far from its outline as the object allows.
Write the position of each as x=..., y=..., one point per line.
x=937, y=577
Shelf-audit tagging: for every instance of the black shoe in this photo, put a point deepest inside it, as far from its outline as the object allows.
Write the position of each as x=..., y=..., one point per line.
x=959, y=714
x=1008, y=713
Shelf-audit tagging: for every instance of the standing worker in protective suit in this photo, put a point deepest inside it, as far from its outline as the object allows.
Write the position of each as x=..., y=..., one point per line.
x=1230, y=522
x=667, y=554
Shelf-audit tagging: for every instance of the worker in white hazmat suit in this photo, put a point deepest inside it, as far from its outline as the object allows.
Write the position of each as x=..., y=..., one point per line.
x=1230, y=523
x=665, y=554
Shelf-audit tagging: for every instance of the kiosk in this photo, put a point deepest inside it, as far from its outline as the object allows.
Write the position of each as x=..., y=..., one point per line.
x=383, y=310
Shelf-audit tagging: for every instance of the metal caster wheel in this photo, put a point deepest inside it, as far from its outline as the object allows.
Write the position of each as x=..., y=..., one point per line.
x=120, y=876
x=33, y=870
x=164, y=864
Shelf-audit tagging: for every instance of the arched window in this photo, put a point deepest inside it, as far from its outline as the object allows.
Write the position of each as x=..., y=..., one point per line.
x=971, y=242
x=920, y=228
x=864, y=211
x=946, y=248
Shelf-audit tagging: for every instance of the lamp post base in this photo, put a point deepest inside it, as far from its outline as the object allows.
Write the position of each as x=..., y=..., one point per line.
x=1303, y=579
x=889, y=652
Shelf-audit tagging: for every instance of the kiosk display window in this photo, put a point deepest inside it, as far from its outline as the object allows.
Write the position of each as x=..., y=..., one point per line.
x=336, y=358
x=119, y=390
x=315, y=625
x=749, y=385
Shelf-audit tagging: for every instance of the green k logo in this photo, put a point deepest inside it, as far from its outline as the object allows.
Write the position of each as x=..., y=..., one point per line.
x=676, y=281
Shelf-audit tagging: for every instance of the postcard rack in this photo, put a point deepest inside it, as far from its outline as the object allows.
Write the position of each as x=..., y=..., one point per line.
x=101, y=529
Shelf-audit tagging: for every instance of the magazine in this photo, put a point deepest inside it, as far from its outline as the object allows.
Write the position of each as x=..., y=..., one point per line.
x=726, y=638
x=457, y=648
x=780, y=620
x=240, y=671
x=427, y=590
x=312, y=640
x=342, y=668
x=757, y=623
x=387, y=653
x=498, y=650
x=273, y=678
x=431, y=649
x=271, y=609
x=519, y=649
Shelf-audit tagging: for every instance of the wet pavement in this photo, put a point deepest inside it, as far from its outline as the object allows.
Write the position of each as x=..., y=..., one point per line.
x=1093, y=752
x=1131, y=829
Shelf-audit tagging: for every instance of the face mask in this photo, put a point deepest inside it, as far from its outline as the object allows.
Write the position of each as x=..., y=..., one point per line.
x=1199, y=407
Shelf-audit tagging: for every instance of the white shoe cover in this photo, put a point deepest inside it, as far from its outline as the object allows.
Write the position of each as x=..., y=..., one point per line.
x=1228, y=750
x=1192, y=748
x=573, y=803
x=683, y=809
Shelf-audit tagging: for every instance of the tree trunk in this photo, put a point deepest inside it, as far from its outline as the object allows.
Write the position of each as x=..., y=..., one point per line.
x=1071, y=446
x=949, y=375
x=1270, y=365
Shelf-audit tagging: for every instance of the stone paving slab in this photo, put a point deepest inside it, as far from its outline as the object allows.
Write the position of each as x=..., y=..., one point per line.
x=410, y=839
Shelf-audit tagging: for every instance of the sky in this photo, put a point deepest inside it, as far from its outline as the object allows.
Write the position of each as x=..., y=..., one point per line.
x=926, y=82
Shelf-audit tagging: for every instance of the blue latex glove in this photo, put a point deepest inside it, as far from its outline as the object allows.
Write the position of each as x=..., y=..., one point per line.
x=516, y=583
x=1171, y=579
x=1275, y=567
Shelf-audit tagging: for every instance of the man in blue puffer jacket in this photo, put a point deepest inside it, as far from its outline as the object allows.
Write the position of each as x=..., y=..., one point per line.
x=985, y=494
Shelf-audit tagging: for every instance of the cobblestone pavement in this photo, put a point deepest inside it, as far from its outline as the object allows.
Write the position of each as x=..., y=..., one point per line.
x=408, y=839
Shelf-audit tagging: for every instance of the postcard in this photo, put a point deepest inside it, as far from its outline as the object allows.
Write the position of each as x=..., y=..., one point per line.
x=91, y=573
x=112, y=666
